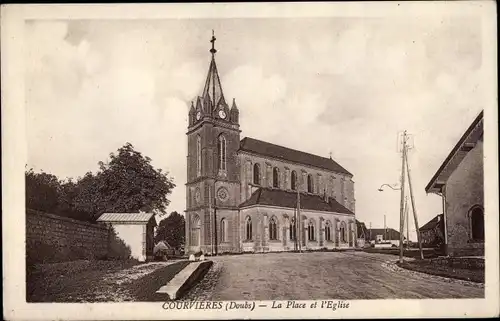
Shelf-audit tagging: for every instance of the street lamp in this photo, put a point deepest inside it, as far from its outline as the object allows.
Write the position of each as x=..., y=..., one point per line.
x=401, y=187
x=401, y=215
x=394, y=187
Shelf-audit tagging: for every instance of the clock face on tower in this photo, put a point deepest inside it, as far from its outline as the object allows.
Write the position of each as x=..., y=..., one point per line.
x=198, y=115
x=222, y=114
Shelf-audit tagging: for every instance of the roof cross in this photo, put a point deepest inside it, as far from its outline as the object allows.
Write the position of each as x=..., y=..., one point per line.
x=213, y=50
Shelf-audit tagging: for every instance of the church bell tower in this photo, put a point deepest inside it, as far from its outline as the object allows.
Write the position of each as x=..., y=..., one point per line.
x=213, y=169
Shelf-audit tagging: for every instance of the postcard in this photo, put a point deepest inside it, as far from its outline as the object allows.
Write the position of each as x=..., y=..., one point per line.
x=270, y=160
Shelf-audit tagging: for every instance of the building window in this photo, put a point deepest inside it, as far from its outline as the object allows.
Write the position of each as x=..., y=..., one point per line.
x=256, y=174
x=293, y=180
x=293, y=230
x=343, y=236
x=328, y=231
x=310, y=231
x=477, y=224
x=198, y=155
x=273, y=229
x=221, y=146
x=310, y=187
x=276, y=176
x=223, y=230
x=248, y=229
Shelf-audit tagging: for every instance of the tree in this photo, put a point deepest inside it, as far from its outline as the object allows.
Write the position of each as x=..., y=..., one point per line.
x=172, y=230
x=68, y=199
x=127, y=183
x=42, y=191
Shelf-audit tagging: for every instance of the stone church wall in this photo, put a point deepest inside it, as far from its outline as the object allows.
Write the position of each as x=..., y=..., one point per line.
x=261, y=242
x=231, y=232
x=337, y=185
x=51, y=238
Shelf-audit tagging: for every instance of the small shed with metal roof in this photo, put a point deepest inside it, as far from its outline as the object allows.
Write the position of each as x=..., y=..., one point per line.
x=136, y=230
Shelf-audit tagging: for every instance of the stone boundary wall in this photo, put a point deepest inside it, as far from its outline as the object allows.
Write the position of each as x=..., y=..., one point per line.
x=51, y=238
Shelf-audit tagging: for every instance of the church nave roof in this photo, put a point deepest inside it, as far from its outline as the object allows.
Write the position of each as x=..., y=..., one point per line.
x=288, y=199
x=267, y=149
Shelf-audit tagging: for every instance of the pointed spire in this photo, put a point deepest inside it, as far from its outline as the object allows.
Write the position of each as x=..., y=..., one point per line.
x=234, y=105
x=191, y=114
x=199, y=103
x=235, y=113
x=212, y=91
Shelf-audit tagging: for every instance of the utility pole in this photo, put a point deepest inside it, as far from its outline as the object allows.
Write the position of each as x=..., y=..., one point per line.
x=299, y=222
x=407, y=210
x=385, y=230
x=295, y=229
x=414, y=209
x=402, y=204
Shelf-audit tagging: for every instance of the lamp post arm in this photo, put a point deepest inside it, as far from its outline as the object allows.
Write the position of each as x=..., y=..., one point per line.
x=397, y=188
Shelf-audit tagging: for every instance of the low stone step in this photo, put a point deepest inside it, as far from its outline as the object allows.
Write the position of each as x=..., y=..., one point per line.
x=181, y=282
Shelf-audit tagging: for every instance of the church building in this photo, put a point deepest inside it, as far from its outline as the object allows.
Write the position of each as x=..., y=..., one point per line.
x=247, y=195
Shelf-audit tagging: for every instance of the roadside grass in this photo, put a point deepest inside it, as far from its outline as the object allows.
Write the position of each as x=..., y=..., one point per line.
x=414, y=253
x=61, y=282
x=473, y=275
x=97, y=281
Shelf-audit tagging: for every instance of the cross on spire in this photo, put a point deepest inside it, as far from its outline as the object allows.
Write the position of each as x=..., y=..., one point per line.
x=213, y=50
x=213, y=89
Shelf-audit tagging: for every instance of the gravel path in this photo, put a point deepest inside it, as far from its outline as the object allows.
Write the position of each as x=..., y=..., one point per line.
x=323, y=275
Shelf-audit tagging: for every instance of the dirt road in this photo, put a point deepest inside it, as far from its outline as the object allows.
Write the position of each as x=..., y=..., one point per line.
x=322, y=275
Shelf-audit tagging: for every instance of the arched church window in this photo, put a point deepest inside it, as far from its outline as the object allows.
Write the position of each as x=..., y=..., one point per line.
x=276, y=175
x=328, y=231
x=248, y=228
x=223, y=230
x=221, y=147
x=310, y=187
x=293, y=229
x=343, y=236
x=311, y=231
x=293, y=180
x=256, y=174
x=198, y=155
x=477, y=223
x=273, y=229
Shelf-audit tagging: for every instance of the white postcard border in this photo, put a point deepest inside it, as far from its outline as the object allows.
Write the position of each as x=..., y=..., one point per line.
x=14, y=155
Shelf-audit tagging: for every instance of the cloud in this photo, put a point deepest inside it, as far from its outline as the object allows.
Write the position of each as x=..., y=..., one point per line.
x=345, y=86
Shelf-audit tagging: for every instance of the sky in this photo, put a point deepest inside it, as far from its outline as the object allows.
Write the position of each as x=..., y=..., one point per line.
x=340, y=85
